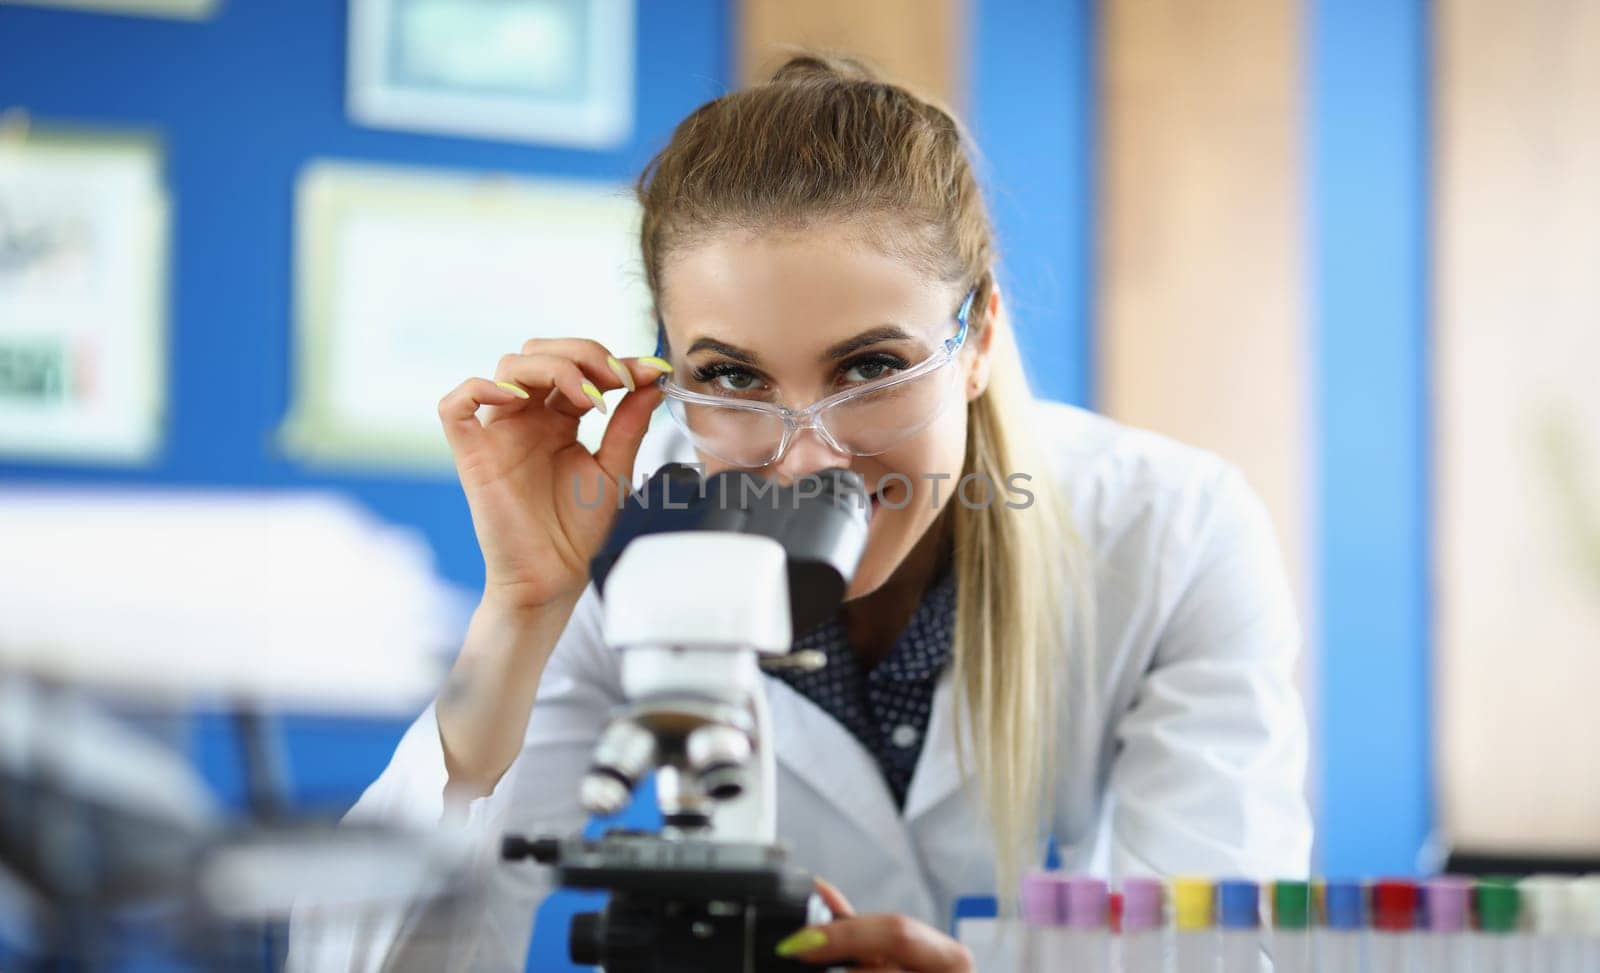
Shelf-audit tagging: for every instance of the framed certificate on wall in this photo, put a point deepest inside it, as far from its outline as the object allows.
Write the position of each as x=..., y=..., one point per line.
x=549, y=71
x=182, y=9
x=84, y=225
x=408, y=281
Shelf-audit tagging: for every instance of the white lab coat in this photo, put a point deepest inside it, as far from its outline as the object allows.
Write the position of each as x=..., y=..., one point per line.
x=1182, y=738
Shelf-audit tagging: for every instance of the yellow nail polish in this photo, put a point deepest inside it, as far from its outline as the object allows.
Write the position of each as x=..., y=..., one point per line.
x=622, y=373
x=594, y=393
x=514, y=389
x=803, y=941
x=659, y=364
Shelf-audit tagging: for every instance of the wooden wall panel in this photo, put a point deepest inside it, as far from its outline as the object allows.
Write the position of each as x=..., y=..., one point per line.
x=1202, y=305
x=918, y=43
x=1517, y=413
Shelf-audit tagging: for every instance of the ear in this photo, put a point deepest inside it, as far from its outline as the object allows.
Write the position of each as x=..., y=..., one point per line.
x=979, y=346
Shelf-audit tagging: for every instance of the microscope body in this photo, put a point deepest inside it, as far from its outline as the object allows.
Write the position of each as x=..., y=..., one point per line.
x=703, y=582
x=690, y=655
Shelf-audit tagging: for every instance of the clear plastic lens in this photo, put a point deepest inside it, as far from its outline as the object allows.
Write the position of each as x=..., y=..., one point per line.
x=883, y=418
x=743, y=437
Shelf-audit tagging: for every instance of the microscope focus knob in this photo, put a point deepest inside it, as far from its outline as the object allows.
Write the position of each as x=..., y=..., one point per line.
x=515, y=847
x=586, y=939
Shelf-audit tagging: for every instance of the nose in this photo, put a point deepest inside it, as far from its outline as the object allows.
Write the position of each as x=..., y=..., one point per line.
x=808, y=453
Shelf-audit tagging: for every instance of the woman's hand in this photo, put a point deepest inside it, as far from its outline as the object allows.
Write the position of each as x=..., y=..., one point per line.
x=885, y=943
x=524, y=471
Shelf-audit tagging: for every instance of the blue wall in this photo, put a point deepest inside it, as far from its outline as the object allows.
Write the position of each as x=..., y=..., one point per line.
x=1369, y=104
x=1033, y=115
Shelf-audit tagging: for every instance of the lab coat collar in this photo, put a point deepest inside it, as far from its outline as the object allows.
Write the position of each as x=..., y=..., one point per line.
x=823, y=754
x=816, y=748
x=938, y=773
x=834, y=765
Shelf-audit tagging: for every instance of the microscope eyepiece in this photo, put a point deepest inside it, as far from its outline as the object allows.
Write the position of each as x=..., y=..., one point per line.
x=820, y=519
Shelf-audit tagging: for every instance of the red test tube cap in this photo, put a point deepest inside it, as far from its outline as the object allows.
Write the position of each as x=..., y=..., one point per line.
x=1394, y=905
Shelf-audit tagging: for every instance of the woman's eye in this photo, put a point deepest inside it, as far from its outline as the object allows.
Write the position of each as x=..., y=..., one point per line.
x=871, y=369
x=728, y=378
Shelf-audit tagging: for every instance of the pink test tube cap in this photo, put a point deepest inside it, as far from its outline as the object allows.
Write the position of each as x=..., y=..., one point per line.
x=1088, y=902
x=1041, y=899
x=1446, y=902
x=1141, y=904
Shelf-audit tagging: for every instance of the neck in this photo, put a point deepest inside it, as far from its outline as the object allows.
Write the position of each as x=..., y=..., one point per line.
x=873, y=623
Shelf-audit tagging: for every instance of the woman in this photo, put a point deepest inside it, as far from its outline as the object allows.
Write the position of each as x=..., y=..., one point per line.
x=1110, y=634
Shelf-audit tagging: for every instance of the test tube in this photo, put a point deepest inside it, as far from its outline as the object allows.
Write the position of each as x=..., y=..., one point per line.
x=1087, y=937
x=1394, y=921
x=1339, y=939
x=1446, y=909
x=1195, y=938
x=1498, y=945
x=1141, y=948
x=1291, y=925
x=1553, y=945
x=1239, y=925
x=1585, y=894
x=1041, y=912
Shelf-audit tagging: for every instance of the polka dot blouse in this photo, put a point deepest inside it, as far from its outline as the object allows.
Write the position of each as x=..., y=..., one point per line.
x=886, y=708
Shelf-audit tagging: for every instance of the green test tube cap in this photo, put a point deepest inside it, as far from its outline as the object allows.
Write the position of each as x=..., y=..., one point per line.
x=1498, y=905
x=1291, y=904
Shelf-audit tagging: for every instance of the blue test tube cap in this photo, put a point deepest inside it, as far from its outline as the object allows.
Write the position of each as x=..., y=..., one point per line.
x=1345, y=903
x=1238, y=904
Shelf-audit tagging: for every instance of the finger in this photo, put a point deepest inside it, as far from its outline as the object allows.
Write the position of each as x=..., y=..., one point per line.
x=892, y=939
x=836, y=902
x=458, y=410
x=647, y=369
x=542, y=372
x=620, y=445
x=524, y=398
x=644, y=372
x=557, y=401
x=596, y=360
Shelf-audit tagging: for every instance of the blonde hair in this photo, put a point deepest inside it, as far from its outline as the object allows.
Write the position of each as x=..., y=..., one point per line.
x=825, y=139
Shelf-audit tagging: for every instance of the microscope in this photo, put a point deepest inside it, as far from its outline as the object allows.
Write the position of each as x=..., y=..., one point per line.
x=705, y=582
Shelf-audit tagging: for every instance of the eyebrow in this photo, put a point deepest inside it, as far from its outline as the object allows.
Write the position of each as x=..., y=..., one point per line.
x=726, y=350
x=871, y=336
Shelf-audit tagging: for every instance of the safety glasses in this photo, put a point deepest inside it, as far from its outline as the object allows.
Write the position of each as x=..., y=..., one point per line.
x=864, y=420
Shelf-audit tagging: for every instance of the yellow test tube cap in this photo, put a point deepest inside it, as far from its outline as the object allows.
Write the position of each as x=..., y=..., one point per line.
x=1194, y=901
